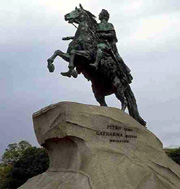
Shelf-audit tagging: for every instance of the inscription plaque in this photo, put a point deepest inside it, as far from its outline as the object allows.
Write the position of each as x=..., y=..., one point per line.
x=118, y=134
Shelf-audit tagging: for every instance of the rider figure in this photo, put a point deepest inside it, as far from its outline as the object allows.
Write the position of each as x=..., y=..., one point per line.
x=107, y=40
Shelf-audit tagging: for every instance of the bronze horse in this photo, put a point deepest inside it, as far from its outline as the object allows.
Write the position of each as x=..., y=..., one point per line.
x=82, y=52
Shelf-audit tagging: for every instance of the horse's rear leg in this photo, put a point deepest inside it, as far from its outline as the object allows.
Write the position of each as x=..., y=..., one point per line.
x=100, y=99
x=120, y=96
x=120, y=88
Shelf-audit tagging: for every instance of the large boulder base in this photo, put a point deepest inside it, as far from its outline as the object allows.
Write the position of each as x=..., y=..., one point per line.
x=93, y=147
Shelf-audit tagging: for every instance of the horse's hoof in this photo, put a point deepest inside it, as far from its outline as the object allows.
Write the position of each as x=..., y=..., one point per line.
x=50, y=61
x=123, y=107
x=51, y=67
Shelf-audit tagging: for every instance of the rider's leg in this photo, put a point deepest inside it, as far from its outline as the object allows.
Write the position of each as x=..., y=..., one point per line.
x=98, y=59
x=100, y=99
x=117, y=84
x=99, y=55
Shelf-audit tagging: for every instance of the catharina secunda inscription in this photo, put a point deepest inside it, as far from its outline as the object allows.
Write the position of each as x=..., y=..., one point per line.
x=118, y=134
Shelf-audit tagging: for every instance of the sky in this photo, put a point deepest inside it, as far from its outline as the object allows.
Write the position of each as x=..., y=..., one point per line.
x=148, y=34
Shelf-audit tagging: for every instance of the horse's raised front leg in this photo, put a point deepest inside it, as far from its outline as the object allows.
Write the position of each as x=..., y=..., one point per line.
x=63, y=55
x=50, y=60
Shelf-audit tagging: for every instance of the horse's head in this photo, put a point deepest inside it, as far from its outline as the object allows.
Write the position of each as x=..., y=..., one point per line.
x=78, y=15
x=75, y=15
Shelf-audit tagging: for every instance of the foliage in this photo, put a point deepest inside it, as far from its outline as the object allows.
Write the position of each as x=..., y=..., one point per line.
x=174, y=154
x=4, y=172
x=14, y=152
x=21, y=162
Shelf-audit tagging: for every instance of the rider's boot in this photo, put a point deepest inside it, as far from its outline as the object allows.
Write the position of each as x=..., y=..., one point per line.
x=74, y=73
x=69, y=73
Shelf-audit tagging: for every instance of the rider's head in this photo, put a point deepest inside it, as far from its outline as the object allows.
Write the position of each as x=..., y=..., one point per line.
x=104, y=15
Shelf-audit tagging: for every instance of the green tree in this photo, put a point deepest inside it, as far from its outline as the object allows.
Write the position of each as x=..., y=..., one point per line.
x=4, y=172
x=20, y=162
x=14, y=152
x=174, y=154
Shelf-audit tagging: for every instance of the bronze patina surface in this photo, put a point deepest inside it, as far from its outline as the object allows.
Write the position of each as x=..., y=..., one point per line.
x=93, y=53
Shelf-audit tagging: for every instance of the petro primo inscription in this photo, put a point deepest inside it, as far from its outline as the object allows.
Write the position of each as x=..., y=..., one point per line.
x=118, y=134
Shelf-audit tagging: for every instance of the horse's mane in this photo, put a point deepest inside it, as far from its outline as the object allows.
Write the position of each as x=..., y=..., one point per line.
x=93, y=23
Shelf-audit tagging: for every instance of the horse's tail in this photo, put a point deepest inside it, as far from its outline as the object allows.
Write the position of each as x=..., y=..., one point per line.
x=132, y=106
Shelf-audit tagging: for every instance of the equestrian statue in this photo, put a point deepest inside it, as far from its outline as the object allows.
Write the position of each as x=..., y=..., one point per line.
x=93, y=52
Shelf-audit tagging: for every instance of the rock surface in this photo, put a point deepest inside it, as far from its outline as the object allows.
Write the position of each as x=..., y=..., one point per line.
x=93, y=147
